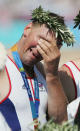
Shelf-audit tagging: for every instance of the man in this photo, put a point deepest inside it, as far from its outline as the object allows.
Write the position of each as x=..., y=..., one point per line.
x=27, y=88
x=70, y=78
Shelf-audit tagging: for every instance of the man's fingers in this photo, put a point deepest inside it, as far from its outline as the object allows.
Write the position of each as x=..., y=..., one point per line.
x=44, y=46
x=48, y=51
x=46, y=43
x=54, y=43
x=40, y=50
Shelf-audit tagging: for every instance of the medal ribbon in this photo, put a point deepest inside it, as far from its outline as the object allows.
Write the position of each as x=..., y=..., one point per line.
x=34, y=104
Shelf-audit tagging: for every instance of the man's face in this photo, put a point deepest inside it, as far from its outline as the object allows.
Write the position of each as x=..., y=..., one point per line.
x=30, y=54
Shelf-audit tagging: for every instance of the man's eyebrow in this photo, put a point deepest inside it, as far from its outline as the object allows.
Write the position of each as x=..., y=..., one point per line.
x=42, y=37
x=45, y=38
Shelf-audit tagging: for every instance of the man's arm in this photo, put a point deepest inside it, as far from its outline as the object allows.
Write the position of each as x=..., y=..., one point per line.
x=67, y=83
x=57, y=101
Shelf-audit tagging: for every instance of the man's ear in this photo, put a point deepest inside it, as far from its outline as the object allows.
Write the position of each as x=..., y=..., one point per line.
x=27, y=29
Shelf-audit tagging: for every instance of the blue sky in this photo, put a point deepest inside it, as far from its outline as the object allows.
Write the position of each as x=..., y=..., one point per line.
x=11, y=34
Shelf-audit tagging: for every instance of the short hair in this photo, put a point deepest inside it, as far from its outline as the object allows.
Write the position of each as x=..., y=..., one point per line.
x=52, y=15
x=55, y=23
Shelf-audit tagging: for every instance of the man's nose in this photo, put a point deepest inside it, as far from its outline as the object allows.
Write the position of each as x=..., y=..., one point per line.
x=34, y=43
x=36, y=39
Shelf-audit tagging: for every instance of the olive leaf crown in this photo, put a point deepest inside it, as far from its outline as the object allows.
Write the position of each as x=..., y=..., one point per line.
x=77, y=21
x=54, y=23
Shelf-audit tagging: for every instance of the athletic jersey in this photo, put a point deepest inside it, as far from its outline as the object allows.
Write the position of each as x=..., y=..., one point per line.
x=75, y=72
x=15, y=109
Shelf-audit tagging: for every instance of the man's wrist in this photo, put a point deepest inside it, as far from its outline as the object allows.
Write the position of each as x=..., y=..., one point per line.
x=52, y=77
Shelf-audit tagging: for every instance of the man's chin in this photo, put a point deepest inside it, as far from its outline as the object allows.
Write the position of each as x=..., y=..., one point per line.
x=30, y=63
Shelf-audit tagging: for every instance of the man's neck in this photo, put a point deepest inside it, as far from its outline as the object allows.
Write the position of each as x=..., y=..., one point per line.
x=29, y=71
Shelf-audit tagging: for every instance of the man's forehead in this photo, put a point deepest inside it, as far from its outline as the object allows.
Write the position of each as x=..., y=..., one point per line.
x=41, y=27
x=44, y=32
x=46, y=35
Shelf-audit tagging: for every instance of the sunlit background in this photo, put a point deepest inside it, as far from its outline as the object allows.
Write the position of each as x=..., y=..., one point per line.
x=16, y=14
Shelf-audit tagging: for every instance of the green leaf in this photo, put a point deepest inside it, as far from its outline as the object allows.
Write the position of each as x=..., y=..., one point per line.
x=54, y=23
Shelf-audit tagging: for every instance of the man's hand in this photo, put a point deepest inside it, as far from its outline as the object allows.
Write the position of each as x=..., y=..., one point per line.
x=50, y=54
x=56, y=96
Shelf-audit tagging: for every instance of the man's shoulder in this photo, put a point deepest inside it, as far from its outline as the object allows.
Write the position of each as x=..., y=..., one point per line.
x=9, y=53
x=64, y=70
x=67, y=66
